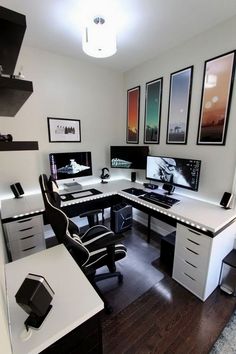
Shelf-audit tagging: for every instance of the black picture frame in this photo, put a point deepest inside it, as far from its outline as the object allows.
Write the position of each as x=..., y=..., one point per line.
x=62, y=130
x=217, y=88
x=133, y=115
x=180, y=93
x=153, y=110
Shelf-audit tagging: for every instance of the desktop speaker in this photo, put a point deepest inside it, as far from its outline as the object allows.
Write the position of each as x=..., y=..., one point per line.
x=35, y=296
x=168, y=187
x=133, y=176
x=227, y=200
x=17, y=189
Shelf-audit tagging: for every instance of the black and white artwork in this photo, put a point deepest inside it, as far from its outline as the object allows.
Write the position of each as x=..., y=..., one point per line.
x=64, y=130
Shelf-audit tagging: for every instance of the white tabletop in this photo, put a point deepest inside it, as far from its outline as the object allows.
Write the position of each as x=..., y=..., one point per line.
x=74, y=302
x=191, y=211
x=197, y=213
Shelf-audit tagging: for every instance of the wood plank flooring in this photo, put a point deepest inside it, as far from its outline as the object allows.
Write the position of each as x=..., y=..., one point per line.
x=167, y=319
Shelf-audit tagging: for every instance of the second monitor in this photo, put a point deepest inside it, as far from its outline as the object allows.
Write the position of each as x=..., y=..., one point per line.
x=183, y=173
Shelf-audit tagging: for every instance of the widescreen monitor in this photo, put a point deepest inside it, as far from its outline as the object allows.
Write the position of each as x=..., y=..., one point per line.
x=70, y=165
x=133, y=157
x=183, y=173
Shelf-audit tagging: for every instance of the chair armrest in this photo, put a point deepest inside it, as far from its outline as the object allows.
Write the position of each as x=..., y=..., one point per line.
x=91, y=212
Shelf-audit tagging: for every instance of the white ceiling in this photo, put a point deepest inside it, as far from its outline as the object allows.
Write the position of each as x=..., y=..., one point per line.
x=145, y=28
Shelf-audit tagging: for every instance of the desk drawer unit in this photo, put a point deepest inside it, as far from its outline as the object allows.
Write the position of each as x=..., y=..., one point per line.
x=192, y=252
x=25, y=237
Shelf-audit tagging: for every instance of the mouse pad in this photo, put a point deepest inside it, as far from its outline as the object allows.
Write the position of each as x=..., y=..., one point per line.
x=79, y=194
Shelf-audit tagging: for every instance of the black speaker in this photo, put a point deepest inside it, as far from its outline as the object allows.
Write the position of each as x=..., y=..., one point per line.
x=169, y=188
x=227, y=200
x=133, y=176
x=35, y=296
x=17, y=189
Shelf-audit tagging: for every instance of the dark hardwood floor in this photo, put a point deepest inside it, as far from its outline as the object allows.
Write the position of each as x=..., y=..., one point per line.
x=167, y=318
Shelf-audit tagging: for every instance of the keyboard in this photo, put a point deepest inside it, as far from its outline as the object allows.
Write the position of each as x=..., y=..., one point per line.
x=159, y=199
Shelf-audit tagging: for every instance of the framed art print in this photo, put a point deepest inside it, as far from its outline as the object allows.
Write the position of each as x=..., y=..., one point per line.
x=133, y=102
x=179, y=106
x=152, y=119
x=64, y=130
x=215, y=101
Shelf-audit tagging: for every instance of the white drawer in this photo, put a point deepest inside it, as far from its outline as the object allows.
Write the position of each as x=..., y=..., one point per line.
x=17, y=254
x=196, y=258
x=194, y=240
x=190, y=279
x=34, y=222
x=26, y=242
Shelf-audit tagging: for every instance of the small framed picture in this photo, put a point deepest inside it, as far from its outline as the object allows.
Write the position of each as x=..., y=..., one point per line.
x=152, y=118
x=133, y=102
x=217, y=88
x=64, y=130
x=179, y=106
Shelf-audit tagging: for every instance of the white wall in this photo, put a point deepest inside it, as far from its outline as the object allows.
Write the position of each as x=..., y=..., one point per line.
x=63, y=88
x=4, y=333
x=218, y=162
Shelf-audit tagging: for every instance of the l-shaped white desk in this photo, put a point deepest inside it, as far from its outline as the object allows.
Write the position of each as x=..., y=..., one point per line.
x=205, y=232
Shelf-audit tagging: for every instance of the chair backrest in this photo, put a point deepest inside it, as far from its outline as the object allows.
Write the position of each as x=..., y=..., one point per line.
x=58, y=220
x=65, y=230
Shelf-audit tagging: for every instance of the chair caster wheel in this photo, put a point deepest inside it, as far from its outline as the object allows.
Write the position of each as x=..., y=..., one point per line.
x=120, y=279
x=108, y=309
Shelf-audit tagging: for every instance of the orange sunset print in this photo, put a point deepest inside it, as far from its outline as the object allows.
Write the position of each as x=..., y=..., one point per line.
x=215, y=99
x=133, y=115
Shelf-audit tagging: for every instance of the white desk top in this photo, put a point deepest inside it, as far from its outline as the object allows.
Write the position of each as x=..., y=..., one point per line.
x=74, y=302
x=193, y=212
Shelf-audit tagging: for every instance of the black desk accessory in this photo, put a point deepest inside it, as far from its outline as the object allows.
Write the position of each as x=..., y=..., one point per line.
x=35, y=296
x=150, y=186
x=133, y=176
x=169, y=188
x=17, y=190
x=227, y=200
x=105, y=175
x=134, y=191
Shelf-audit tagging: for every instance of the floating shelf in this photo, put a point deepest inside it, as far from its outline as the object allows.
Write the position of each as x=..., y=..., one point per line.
x=19, y=145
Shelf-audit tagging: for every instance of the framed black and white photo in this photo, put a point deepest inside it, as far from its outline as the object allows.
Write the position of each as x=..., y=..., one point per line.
x=64, y=130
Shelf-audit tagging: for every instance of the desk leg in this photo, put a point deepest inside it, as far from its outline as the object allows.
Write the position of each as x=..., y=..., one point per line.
x=149, y=228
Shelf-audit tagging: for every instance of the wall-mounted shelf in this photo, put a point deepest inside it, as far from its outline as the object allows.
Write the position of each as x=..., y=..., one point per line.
x=19, y=145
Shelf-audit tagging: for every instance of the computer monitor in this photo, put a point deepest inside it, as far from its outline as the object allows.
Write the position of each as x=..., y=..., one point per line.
x=70, y=165
x=183, y=173
x=133, y=157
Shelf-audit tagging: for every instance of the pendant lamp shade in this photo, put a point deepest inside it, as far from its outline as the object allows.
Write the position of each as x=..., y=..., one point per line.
x=99, y=39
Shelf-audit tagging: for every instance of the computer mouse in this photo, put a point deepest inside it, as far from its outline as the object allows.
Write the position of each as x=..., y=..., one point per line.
x=63, y=197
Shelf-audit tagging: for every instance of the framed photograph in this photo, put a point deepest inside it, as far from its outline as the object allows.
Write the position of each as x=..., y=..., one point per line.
x=179, y=106
x=133, y=107
x=64, y=130
x=152, y=118
x=215, y=101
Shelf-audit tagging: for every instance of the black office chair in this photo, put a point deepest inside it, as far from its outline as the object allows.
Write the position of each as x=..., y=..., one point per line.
x=97, y=247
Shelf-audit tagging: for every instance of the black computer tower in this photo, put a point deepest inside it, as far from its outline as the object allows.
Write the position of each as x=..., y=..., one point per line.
x=121, y=217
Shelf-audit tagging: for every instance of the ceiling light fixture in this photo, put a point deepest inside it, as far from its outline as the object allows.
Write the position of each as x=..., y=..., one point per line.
x=99, y=39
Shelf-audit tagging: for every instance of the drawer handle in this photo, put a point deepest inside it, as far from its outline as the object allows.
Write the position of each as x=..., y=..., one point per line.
x=194, y=232
x=24, y=220
x=27, y=228
x=190, y=264
x=192, y=251
x=190, y=276
x=24, y=238
x=196, y=243
x=27, y=249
